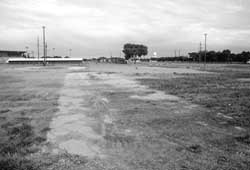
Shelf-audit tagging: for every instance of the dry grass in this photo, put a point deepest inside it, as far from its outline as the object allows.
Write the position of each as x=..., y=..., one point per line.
x=186, y=134
x=219, y=144
x=219, y=93
x=26, y=109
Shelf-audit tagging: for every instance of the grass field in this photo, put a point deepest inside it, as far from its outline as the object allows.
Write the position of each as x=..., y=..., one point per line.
x=28, y=100
x=225, y=92
x=224, y=97
x=201, y=122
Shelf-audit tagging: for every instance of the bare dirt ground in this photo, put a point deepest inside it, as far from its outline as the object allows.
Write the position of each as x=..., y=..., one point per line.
x=103, y=116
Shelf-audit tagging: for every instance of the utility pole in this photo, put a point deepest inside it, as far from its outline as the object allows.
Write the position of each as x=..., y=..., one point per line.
x=200, y=52
x=53, y=49
x=205, y=60
x=179, y=53
x=70, y=52
x=27, y=54
x=174, y=53
x=44, y=47
x=46, y=51
x=32, y=52
x=38, y=54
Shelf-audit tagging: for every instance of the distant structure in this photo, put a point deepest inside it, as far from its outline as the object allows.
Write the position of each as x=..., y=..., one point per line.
x=102, y=60
x=115, y=60
x=48, y=61
x=6, y=53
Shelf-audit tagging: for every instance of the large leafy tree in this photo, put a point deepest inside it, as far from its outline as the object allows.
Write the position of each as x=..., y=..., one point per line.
x=134, y=50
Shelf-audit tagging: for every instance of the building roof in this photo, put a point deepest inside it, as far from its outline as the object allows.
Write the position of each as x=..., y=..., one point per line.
x=11, y=51
x=42, y=59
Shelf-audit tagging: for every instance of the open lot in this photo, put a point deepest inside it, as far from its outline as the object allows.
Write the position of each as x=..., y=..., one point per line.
x=146, y=116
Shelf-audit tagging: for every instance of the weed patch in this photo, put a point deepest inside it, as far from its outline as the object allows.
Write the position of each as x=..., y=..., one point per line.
x=220, y=93
x=243, y=139
x=4, y=111
x=14, y=150
x=194, y=148
x=17, y=163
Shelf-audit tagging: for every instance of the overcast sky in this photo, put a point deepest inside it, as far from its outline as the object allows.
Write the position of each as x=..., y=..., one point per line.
x=94, y=28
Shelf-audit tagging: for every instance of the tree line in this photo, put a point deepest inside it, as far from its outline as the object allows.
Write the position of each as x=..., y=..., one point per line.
x=163, y=59
x=220, y=56
x=133, y=51
x=211, y=56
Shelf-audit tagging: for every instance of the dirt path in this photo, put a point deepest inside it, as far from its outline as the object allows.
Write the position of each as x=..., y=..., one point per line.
x=71, y=128
x=79, y=126
x=74, y=126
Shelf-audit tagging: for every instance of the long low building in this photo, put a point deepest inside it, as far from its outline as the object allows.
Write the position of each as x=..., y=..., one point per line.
x=47, y=61
x=7, y=53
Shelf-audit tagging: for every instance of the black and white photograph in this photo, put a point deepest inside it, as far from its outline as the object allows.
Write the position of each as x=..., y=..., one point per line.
x=124, y=85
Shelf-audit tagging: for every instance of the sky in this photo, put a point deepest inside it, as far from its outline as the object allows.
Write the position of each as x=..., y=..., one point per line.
x=94, y=28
